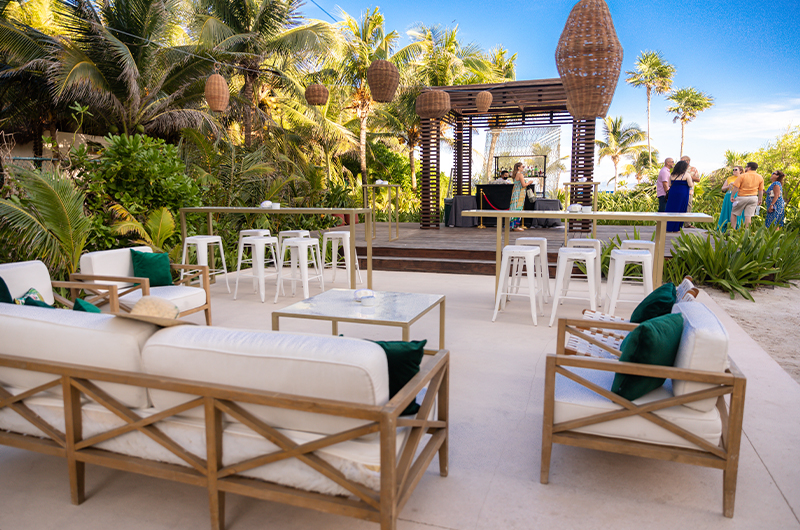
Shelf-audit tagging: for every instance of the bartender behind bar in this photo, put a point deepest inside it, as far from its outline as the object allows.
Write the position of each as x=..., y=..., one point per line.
x=503, y=175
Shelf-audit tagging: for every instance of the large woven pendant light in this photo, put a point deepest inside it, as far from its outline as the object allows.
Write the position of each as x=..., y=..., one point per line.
x=383, y=78
x=316, y=94
x=483, y=101
x=589, y=58
x=433, y=104
x=217, y=92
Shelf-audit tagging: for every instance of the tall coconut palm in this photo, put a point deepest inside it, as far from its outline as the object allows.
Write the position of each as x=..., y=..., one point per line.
x=622, y=141
x=689, y=102
x=655, y=74
x=442, y=60
x=400, y=119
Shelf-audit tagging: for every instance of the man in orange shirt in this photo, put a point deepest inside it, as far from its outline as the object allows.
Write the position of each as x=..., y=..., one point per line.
x=750, y=187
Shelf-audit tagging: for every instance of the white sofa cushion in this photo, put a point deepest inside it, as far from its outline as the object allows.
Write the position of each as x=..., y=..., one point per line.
x=704, y=346
x=305, y=365
x=183, y=296
x=574, y=401
x=116, y=262
x=91, y=339
x=23, y=275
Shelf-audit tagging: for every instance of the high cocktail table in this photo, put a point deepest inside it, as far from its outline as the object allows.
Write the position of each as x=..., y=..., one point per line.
x=390, y=309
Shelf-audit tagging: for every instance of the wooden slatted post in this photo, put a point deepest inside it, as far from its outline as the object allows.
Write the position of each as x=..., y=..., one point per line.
x=74, y=433
x=216, y=498
x=429, y=177
x=582, y=168
x=732, y=444
x=443, y=412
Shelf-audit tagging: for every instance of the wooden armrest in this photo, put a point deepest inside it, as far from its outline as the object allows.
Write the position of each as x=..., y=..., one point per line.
x=103, y=278
x=647, y=370
x=94, y=288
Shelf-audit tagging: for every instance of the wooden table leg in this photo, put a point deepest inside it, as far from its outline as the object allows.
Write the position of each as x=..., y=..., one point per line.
x=374, y=226
x=658, y=259
x=352, y=251
x=498, y=253
x=441, y=324
x=397, y=211
x=406, y=332
x=334, y=327
x=275, y=324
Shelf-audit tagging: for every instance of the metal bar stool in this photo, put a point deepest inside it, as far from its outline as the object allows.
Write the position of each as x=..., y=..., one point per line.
x=567, y=256
x=335, y=236
x=616, y=269
x=258, y=246
x=529, y=255
x=248, y=233
x=201, y=244
x=638, y=244
x=598, y=263
x=299, y=247
x=544, y=275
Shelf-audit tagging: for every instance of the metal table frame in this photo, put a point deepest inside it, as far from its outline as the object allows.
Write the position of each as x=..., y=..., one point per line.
x=371, y=190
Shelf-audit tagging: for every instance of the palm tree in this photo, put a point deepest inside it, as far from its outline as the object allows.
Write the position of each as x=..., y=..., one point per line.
x=400, y=119
x=642, y=165
x=622, y=141
x=655, y=74
x=49, y=222
x=688, y=103
x=441, y=60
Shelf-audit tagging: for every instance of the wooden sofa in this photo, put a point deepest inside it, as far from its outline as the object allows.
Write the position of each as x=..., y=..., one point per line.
x=53, y=404
x=687, y=420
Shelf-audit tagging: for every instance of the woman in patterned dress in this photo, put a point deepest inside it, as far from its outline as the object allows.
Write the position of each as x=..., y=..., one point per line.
x=518, y=195
x=775, y=202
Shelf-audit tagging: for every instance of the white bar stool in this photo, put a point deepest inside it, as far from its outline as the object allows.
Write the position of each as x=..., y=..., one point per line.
x=243, y=234
x=201, y=244
x=544, y=277
x=598, y=264
x=299, y=247
x=616, y=269
x=283, y=234
x=335, y=236
x=567, y=256
x=258, y=246
x=529, y=255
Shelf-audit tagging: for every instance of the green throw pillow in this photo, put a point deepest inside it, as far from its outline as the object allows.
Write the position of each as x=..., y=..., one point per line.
x=35, y=302
x=153, y=265
x=5, y=294
x=657, y=303
x=87, y=307
x=653, y=342
x=404, y=359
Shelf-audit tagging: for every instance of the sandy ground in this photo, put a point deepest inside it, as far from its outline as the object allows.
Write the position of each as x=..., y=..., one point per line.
x=771, y=321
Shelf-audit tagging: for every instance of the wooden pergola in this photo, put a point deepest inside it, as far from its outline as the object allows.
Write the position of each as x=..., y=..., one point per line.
x=535, y=103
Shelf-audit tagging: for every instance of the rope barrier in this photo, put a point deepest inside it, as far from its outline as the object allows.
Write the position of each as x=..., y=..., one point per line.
x=490, y=202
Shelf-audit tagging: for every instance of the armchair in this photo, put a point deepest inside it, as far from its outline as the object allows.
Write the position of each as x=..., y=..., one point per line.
x=115, y=267
x=23, y=275
x=687, y=420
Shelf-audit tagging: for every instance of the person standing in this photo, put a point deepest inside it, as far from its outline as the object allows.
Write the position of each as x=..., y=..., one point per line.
x=662, y=184
x=680, y=184
x=750, y=189
x=695, y=176
x=775, y=202
x=727, y=202
x=518, y=195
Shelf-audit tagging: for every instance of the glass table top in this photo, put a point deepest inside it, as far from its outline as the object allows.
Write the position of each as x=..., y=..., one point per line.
x=389, y=306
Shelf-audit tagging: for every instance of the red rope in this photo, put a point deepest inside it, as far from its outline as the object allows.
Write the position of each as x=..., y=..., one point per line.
x=487, y=200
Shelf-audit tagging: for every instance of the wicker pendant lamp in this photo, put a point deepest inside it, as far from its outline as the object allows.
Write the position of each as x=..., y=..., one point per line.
x=383, y=78
x=589, y=58
x=316, y=94
x=433, y=104
x=217, y=93
x=483, y=101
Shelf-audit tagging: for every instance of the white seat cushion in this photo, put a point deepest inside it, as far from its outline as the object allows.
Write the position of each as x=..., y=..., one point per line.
x=91, y=339
x=305, y=365
x=116, y=262
x=573, y=401
x=23, y=275
x=704, y=346
x=183, y=296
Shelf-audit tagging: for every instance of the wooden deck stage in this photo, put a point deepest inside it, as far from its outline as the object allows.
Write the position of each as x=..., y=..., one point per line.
x=470, y=250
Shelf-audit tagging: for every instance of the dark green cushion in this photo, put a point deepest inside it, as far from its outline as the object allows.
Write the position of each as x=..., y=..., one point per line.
x=655, y=342
x=404, y=359
x=5, y=294
x=83, y=305
x=657, y=303
x=37, y=303
x=153, y=265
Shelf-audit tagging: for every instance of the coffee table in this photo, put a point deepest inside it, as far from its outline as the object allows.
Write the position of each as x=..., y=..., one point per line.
x=390, y=309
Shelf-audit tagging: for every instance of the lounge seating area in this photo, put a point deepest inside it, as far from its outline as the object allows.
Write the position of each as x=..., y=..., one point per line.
x=495, y=407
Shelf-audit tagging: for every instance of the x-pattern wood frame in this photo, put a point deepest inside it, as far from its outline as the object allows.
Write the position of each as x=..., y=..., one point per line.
x=399, y=475
x=199, y=272
x=723, y=456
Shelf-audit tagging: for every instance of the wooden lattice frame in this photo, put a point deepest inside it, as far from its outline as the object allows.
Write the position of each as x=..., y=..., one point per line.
x=399, y=475
x=724, y=456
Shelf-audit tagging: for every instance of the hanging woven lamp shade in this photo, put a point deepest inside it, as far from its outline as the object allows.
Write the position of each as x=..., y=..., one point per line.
x=217, y=93
x=383, y=78
x=316, y=94
x=483, y=101
x=589, y=58
x=433, y=104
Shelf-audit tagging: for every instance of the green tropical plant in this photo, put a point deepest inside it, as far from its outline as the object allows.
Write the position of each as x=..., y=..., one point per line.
x=655, y=74
x=47, y=222
x=158, y=228
x=689, y=102
x=621, y=141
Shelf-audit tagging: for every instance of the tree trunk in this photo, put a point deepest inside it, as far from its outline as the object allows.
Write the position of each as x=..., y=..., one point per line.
x=38, y=147
x=413, y=164
x=490, y=155
x=683, y=129
x=615, y=177
x=248, y=110
x=56, y=152
x=649, y=150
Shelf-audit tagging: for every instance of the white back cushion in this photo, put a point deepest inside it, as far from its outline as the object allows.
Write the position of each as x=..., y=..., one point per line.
x=116, y=262
x=704, y=346
x=305, y=365
x=23, y=275
x=61, y=335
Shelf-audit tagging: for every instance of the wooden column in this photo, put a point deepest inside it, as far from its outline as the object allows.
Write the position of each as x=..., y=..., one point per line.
x=463, y=156
x=582, y=168
x=429, y=176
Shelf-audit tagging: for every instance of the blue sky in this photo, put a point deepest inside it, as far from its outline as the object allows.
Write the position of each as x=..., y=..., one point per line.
x=744, y=54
